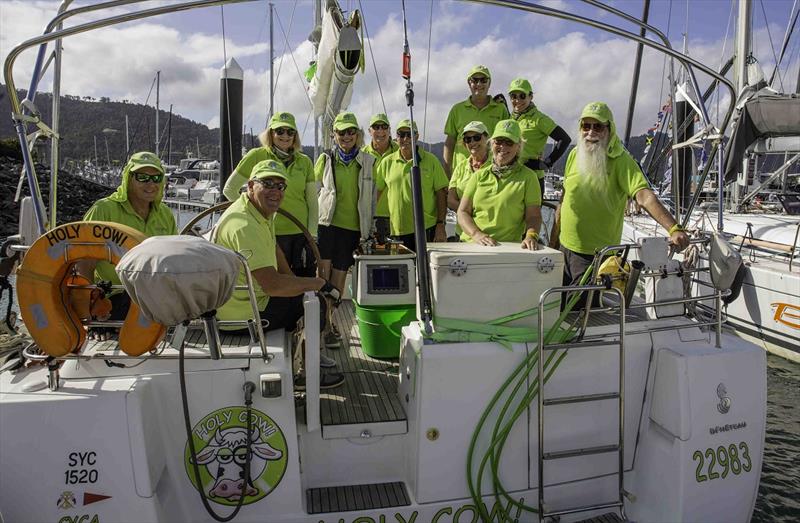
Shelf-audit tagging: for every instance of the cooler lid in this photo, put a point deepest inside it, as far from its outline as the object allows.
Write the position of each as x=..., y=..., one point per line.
x=507, y=253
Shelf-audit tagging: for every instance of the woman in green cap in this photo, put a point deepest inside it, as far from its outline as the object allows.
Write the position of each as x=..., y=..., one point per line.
x=502, y=200
x=536, y=128
x=475, y=138
x=281, y=142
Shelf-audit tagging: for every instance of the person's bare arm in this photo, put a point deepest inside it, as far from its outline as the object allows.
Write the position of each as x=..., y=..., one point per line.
x=533, y=222
x=452, y=199
x=440, y=234
x=283, y=264
x=649, y=202
x=467, y=224
x=449, y=149
x=276, y=284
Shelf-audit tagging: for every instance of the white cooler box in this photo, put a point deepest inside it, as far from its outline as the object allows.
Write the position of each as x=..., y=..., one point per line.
x=479, y=283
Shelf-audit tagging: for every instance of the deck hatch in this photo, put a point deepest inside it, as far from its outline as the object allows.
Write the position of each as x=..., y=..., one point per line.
x=356, y=497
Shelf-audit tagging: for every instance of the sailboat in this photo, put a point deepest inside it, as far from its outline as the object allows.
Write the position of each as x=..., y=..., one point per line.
x=766, y=307
x=499, y=406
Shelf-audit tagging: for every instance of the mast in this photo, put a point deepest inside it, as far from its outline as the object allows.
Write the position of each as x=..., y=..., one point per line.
x=271, y=64
x=158, y=86
x=317, y=24
x=744, y=39
x=636, y=68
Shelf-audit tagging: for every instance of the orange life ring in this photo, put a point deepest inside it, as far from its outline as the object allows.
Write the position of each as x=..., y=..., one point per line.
x=45, y=304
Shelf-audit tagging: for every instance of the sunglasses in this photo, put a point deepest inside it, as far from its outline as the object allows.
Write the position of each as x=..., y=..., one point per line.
x=518, y=96
x=144, y=177
x=472, y=138
x=347, y=132
x=404, y=134
x=381, y=126
x=596, y=127
x=479, y=80
x=505, y=142
x=272, y=184
x=280, y=131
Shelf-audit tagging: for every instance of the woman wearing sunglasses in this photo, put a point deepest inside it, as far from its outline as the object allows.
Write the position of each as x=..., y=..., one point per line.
x=502, y=201
x=136, y=203
x=475, y=137
x=281, y=142
x=536, y=128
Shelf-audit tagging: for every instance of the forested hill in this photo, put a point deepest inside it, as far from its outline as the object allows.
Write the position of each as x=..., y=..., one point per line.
x=84, y=118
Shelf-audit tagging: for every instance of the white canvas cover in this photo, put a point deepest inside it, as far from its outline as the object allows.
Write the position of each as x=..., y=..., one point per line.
x=321, y=83
x=178, y=278
x=724, y=262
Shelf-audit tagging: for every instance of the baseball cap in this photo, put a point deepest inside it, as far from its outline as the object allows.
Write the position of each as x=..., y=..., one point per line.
x=479, y=69
x=379, y=118
x=267, y=168
x=345, y=120
x=599, y=111
x=507, y=129
x=144, y=159
x=475, y=126
x=282, y=120
x=520, y=84
x=407, y=124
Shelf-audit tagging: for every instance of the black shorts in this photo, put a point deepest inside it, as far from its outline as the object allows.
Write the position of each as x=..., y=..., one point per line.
x=337, y=245
x=298, y=254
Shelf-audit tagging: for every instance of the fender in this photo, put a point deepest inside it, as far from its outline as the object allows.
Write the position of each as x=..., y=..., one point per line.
x=49, y=313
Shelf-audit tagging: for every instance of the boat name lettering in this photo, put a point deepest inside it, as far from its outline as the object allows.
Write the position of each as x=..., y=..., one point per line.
x=787, y=314
x=727, y=427
x=80, y=471
x=85, y=518
x=467, y=513
x=222, y=418
x=732, y=459
x=109, y=233
x=70, y=232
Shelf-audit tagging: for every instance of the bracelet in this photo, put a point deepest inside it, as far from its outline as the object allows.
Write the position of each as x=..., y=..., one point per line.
x=532, y=234
x=675, y=228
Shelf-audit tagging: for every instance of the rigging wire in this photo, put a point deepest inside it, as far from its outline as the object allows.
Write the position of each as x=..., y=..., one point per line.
x=793, y=15
x=771, y=43
x=717, y=93
x=291, y=54
x=427, y=79
x=374, y=64
x=286, y=42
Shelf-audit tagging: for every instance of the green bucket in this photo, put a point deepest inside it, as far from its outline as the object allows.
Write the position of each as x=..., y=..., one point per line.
x=379, y=328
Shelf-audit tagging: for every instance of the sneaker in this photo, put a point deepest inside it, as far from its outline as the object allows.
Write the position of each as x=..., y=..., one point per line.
x=332, y=340
x=327, y=380
x=326, y=362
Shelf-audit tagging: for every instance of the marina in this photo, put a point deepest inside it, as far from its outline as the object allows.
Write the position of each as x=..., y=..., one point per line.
x=451, y=381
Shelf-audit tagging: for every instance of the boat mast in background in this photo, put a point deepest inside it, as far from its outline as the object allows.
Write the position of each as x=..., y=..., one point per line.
x=158, y=88
x=271, y=68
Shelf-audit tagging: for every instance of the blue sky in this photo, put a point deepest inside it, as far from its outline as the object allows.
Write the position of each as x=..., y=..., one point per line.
x=568, y=63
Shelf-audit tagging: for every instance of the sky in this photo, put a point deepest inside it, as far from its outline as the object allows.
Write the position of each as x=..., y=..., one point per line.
x=569, y=64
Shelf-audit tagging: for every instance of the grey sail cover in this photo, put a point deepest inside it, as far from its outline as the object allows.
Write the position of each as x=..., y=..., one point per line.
x=178, y=278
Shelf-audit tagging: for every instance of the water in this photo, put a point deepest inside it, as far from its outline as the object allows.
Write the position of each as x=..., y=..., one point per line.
x=779, y=492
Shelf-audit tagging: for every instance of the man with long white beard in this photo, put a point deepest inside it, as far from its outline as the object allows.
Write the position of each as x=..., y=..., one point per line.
x=599, y=178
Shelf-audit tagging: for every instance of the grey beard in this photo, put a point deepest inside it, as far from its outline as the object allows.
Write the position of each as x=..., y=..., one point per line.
x=592, y=164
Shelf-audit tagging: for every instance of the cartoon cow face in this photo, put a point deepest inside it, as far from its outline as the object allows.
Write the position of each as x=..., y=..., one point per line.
x=225, y=457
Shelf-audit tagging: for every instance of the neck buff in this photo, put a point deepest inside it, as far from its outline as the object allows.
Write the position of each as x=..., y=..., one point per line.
x=528, y=109
x=346, y=157
x=505, y=169
x=284, y=156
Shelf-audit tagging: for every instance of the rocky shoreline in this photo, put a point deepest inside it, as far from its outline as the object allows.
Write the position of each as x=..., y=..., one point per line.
x=75, y=194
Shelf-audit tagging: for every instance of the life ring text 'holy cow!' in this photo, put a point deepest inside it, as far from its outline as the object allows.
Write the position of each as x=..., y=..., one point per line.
x=43, y=293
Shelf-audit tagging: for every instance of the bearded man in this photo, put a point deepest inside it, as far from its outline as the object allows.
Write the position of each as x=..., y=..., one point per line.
x=599, y=179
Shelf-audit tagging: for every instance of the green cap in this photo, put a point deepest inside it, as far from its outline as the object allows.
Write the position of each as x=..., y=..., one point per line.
x=379, y=118
x=282, y=120
x=479, y=69
x=507, y=129
x=520, y=84
x=267, y=168
x=345, y=120
x=407, y=124
x=475, y=126
x=144, y=159
x=599, y=111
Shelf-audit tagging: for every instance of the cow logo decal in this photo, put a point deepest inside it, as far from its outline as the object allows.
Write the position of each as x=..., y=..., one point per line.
x=724, y=404
x=220, y=440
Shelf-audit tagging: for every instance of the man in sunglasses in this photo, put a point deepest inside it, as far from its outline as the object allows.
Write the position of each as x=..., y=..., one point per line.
x=248, y=227
x=393, y=177
x=478, y=106
x=136, y=203
x=599, y=179
x=380, y=146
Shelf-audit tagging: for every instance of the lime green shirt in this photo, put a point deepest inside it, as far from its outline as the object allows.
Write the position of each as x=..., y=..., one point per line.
x=159, y=222
x=498, y=204
x=536, y=128
x=394, y=177
x=382, y=207
x=464, y=112
x=462, y=174
x=300, y=173
x=590, y=220
x=345, y=177
x=243, y=229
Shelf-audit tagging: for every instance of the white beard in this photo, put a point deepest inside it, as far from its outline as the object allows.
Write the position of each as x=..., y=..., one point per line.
x=592, y=162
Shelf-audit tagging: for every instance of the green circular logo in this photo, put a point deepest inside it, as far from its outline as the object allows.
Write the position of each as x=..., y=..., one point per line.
x=220, y=440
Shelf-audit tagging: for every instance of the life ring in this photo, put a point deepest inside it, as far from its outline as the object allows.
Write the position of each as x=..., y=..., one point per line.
x=43, y=289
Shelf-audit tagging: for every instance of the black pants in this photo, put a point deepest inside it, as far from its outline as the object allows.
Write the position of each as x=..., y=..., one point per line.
x=575, y=264
x=284, y=313
x=298, y=254
x=409, y=240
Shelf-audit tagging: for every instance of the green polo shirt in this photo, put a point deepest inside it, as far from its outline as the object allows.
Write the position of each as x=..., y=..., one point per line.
x=159, y=222
x=464, y=112
x=536, y=128
x=382, y=207
x=591, y=220
x=394, y=178
x=498, y=204
x=243, y=229
x=462, y=174
x=346, y=179
x=300, y=172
